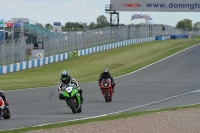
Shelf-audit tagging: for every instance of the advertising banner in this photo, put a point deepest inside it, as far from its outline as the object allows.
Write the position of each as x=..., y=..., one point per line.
x=73, y=54
x=141, y=16
x=57, y=23
x=156, y=5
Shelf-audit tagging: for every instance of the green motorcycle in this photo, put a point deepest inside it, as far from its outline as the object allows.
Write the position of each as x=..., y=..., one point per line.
x=72, y=97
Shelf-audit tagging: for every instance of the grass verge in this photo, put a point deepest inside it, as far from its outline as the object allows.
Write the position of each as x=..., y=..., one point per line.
x=87, y=68
x=105, y=118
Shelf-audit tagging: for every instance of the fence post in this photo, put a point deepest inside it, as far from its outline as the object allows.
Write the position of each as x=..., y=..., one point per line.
x=13, y=46
x=4, y=53
x=24, y=53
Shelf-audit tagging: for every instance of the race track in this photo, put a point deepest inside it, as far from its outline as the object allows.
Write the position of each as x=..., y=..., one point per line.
x=145, y=89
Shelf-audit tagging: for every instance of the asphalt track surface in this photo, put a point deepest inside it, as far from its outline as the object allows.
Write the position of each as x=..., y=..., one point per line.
x=153, y=87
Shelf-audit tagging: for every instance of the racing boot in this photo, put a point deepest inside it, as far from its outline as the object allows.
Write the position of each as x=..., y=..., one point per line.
x=80, y=91
x=82, y=99
x=113, y=85
x=6, y=103
x=113, y=89
x=1, y=113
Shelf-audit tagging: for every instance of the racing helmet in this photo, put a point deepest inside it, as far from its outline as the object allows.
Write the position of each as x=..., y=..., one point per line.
x=1, y=93
x=65, y=76
x=106, y=71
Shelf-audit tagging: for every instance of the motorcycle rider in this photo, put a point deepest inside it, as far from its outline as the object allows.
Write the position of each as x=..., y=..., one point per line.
x=106, y=74
x=66, y=79
x=2, y=95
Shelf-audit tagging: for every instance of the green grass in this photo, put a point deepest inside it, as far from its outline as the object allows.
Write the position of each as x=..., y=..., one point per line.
x=28, y=57
x=87, y=68
x=105, y=118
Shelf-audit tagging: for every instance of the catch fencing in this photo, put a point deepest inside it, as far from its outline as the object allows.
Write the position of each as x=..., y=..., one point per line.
x=62, y=43
x=14, y=51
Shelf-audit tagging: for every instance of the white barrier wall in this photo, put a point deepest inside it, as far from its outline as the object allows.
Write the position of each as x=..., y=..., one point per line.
x=60, y=57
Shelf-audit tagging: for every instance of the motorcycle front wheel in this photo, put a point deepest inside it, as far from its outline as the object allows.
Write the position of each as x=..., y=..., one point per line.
x=72, y=105
x=106, y=96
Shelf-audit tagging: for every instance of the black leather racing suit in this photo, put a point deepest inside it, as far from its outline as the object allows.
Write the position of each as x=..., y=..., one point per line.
x=106, y=75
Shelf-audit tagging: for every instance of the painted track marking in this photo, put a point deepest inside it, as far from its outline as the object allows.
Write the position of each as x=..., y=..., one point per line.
x=121, y=75
x=121, y=110
x=165, y=99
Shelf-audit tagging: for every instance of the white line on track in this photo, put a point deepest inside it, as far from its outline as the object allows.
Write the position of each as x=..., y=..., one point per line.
x=121, y=110
x=50, y=116
x=121, y=75
x=165, y=99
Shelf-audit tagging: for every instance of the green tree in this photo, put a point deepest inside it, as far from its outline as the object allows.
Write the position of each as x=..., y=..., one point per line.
x=48, y=26
x=39, y=25
x=92, y=25
x=85, y=26
x=122, y=24
x=185, y=24
x=75, y=25
x=196, y=25
x=141, y=23
x=102, y=22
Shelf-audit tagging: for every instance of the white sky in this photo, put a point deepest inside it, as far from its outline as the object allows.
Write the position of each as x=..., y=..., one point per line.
x=49, y=11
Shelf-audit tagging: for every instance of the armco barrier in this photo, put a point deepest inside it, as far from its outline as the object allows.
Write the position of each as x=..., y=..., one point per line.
x=60, y=57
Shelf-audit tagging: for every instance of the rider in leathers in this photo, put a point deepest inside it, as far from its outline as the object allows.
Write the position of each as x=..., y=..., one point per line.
x=106, y=74
x=2, y=95
x=66, y=79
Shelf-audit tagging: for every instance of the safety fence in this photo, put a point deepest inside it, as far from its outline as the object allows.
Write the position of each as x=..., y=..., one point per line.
x=12, y=51
x=60, y=57
x=61, y=43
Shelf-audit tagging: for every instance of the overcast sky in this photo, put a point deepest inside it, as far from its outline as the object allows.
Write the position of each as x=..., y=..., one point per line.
x=49, y=11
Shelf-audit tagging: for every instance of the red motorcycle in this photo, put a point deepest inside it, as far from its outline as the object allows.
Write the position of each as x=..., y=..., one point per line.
x=106, y=88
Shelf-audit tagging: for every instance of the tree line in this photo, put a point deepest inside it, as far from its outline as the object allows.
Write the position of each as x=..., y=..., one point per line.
x=101, y=22
x=186, y=25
